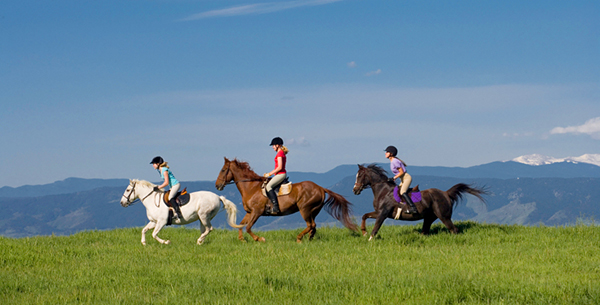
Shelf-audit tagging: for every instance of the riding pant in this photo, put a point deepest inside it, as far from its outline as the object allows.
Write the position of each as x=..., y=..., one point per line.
x=174, y=190
x=275, y=181
x=405, y=184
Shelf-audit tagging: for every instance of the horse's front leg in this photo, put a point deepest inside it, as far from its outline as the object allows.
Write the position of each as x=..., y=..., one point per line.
x=244, y=221
x=159, y=226
x=363, y=224
x=383, y=214
x=149, y=226
x=252, y=219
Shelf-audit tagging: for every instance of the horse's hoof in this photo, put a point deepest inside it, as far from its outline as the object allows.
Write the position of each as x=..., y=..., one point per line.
x=370, y=237
x=262, y=240
x=167, y=242
x=364, y=233
x=144, y=243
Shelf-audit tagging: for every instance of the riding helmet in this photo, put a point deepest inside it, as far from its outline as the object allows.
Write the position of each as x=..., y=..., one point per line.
x=157, y=160
x=276, y=141
x=392, y=150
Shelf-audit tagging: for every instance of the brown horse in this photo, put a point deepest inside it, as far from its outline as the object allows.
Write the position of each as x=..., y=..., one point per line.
x=306, y=197
x=435, y=203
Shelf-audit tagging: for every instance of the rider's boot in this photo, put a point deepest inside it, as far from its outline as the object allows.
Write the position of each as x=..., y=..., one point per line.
x=412, y=209
x=175, y=206
x=273, y=197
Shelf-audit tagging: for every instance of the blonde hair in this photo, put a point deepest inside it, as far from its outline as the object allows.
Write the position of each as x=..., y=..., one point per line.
x=285, y=149
x=164, y=164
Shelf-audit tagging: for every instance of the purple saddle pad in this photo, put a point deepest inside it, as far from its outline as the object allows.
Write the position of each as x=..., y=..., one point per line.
x=415, y=196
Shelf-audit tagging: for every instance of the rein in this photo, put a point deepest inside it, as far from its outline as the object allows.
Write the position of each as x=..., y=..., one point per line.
x=131, y=193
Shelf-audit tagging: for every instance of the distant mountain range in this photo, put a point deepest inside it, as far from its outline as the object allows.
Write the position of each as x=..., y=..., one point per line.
x=559, y=193
x=537, y=159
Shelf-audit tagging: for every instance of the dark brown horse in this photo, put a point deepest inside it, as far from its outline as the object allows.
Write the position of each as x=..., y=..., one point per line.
x=306, y=197
x=435, y=203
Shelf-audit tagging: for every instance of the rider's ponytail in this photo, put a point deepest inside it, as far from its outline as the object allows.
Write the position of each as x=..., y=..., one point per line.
x=164, y=164
x=285, y=149
x=401, y=161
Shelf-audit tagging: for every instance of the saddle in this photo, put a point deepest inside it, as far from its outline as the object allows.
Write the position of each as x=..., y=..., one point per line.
x=182, y=198
x=281, y=190
x=414, y=193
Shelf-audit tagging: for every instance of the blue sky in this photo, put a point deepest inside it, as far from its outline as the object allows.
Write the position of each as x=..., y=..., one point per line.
x=95, y=89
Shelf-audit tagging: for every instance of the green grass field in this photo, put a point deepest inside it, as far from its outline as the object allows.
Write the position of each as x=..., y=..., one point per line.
x=486, y=264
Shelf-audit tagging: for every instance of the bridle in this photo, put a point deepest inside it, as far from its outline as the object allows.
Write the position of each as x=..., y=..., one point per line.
x=363, y=186
x=128, y=197
x=233, y=180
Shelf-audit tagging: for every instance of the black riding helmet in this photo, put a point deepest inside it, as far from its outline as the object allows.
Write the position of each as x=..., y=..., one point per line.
x=157, y=160
x=392, y=150
x=276, y=141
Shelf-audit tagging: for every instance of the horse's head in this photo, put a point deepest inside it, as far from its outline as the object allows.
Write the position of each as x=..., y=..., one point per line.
x=129, y=196
x=362, y=180
x=225, y=176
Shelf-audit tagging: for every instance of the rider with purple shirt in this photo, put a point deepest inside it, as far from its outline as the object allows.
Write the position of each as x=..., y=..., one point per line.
x=398, y=168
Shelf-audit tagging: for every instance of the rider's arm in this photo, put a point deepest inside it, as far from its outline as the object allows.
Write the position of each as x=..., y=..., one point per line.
x=278, y=168
x=400, y=173
x=164, y=184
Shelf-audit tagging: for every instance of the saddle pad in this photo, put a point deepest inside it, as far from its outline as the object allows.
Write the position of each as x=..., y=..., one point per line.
x=284, y=189
x=415, y=196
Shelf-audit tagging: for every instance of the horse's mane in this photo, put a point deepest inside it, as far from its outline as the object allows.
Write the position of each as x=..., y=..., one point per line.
x=143, y=182
x=247, y=170
x=377, y=170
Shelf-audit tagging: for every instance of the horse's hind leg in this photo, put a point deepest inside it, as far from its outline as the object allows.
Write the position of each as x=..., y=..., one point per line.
x=313, y=231
x=450, y=225
x=149, y=226
x=363, y=224
x=310, y=225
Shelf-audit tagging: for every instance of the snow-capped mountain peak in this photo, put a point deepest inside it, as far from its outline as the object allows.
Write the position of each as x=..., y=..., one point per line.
x=536, y=159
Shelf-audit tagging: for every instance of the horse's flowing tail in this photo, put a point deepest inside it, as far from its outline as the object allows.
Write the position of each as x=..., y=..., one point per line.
x=231, y=212
x=340, y=208
x=457, y=191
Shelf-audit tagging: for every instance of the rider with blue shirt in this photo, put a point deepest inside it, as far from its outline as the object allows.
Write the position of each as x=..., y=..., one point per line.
x=169, y=179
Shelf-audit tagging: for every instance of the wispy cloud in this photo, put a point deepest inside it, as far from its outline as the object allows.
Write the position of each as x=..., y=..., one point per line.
x=258, y=8
x=351, y=64
x=301, y=141
x=378, y=71
x=591, y=128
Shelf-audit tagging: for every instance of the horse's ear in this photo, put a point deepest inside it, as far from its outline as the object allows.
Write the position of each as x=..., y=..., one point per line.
x=130, y=181
x=360, y=166
x=226, y=160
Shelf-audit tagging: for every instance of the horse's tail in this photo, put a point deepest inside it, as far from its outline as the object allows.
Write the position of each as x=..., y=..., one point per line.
x=457, y=191
x=231, y=212
x=340, y=208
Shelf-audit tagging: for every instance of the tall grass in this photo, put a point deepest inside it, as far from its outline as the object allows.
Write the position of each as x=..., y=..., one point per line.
x=486, y=264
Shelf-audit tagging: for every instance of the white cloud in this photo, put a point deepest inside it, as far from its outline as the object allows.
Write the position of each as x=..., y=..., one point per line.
x=351, y=64
x=301, y=141
x=591, y=128
x=378, y=71
x=258, y=8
